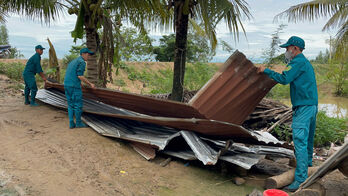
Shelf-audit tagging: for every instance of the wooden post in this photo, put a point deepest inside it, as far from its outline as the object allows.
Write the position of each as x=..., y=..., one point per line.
x=285, y=178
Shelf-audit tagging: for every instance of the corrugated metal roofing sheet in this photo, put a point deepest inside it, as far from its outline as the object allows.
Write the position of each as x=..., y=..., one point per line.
x=213, y=128
x=100, y=117
x=137, y=103
x=216, y=111
x=230, y=96
x=233, y=93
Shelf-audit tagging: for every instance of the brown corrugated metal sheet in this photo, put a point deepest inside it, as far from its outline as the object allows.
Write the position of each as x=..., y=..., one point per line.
x=230, y=96
x=145, y=150
x=213, y=128
x=137, y=103
x=233, y=93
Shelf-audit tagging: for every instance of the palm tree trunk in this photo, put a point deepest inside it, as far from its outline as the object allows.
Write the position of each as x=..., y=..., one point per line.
x=181, y=26
x=92, y=65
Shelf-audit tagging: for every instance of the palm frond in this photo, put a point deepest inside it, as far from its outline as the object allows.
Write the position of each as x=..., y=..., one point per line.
x=198, y=29
x=337, y=10
x=341, y=50
x=311, y=10
x=151, y=14
x=230, y=11
x=44, y=10
x=77, y=33
x=338, y=19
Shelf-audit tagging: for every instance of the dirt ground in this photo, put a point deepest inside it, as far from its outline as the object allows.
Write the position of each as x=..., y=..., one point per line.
x=40, y=155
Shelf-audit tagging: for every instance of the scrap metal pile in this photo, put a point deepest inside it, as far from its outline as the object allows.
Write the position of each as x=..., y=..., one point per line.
x=208, y=128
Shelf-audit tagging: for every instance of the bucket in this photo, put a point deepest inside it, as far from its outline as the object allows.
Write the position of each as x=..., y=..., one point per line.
x=274, y=192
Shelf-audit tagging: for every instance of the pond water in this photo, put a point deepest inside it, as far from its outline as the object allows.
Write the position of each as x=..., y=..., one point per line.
x=333, y=106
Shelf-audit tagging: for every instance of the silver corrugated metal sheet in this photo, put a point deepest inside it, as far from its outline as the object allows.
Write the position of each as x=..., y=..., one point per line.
x=244, y=160
x=201, y=150
x=203, y=126
x=160, y=137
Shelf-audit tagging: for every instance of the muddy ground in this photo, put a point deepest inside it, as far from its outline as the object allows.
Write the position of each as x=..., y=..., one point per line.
x=40, y=155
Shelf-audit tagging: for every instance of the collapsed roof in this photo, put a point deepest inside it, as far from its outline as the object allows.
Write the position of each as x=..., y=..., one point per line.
x=208, y=128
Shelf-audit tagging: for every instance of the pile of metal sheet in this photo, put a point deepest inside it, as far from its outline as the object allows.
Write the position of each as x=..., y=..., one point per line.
x=208, y=128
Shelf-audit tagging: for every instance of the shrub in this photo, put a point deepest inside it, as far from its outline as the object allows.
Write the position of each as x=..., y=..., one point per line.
x=12, y=70
x=120, y=82
x=283, y=133
x=329, y=129
x=279, y=91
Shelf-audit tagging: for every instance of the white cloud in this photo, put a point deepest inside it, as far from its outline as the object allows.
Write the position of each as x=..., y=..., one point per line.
x=25, y=34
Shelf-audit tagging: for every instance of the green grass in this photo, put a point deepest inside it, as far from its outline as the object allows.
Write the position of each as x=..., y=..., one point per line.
x=12, y=70
x=120, y=83
x=16, y=86
x=196, y=75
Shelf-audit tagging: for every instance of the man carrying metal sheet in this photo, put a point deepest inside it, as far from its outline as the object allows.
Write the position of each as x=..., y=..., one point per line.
x=32, y=67
x=72, y=86
x=304, y=99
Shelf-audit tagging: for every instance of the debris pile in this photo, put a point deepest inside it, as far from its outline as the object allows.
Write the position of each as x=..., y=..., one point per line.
x=267, y=114
x=207, y=128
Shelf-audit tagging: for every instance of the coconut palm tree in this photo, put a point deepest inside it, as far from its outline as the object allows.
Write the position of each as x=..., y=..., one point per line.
x=107, y=15
x=44, y=10
x=337, y=10
x=208, y=13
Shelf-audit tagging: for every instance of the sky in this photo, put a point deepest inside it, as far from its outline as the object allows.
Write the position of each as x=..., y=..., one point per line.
x=24, y=34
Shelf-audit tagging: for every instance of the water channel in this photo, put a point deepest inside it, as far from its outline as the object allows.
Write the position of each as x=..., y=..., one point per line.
x=333, y=106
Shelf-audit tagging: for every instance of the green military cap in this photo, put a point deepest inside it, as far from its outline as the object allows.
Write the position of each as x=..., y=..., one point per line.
x=294, y=41
x=39, y=47
x=86, y=50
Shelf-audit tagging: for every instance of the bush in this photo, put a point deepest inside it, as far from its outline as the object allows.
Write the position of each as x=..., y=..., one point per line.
x=279, y=91
x=329, y=129
x=120, y=83
x=12, y=70
x=283, y=133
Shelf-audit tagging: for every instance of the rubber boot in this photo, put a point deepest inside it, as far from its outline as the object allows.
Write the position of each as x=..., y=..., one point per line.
x=33, y=95
x=26, y=96
x=79, y=123
x=71, y=118
x=72, y=124
x=293, y=186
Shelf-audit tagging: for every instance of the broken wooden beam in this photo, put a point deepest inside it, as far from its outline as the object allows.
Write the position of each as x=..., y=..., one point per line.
x=285, y=178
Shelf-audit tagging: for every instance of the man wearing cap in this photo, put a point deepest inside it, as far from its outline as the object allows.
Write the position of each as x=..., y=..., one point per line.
x=304, y=99
x=32, y=67
x=72, y=85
